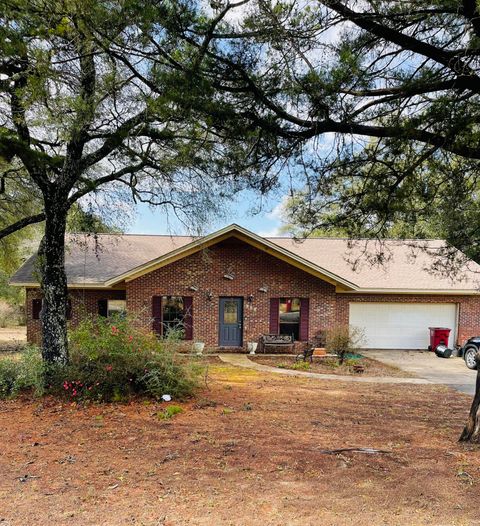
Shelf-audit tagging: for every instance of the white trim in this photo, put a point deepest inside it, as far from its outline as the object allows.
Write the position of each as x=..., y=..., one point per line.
x=422, y=292
x=31, y=285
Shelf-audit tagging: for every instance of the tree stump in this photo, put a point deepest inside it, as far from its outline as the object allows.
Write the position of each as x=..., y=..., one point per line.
x=471, y=431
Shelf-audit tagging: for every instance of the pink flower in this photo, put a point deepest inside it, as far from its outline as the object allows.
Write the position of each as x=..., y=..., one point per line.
x=108, y=368
x=130, y=338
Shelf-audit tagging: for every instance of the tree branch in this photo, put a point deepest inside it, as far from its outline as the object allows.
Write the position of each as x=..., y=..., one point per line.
x=446, y=58
x=22, y=223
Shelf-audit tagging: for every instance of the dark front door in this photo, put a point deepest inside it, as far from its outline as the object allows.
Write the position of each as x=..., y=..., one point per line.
x=231, y=322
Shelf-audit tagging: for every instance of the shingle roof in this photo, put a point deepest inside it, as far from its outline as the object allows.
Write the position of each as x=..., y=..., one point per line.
x=407, y=265
x=390, y=264
x=93, y=260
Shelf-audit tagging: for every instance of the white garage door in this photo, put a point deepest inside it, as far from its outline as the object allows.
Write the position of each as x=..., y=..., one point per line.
x=402, y=325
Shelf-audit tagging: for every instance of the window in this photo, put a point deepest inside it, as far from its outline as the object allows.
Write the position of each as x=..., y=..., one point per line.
x=230, y=312
x=173, y=311
x=116, y=307
x=36, y=308
x=289, y=317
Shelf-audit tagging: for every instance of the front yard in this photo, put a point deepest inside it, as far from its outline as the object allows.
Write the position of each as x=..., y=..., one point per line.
x=249, y=450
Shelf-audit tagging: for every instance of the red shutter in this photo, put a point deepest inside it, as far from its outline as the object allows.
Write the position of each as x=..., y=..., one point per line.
x=69, y=309
x=274, y=315
x=188, y=317
x=103, y=308
x=157, y=315
x=36, y=308
x=304, y=316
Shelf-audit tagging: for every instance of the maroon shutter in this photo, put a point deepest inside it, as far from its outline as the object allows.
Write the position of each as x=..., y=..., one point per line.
x=274, y=315
x=36, y=308
x=103, y=308
x=69, y=309
x=304, y=316
x=188, y=317
x=157, y=315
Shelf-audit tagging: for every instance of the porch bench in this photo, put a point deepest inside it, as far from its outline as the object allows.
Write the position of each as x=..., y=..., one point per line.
x=277, y=340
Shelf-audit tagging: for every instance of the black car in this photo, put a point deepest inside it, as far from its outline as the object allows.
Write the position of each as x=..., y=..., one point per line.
x=470, y=348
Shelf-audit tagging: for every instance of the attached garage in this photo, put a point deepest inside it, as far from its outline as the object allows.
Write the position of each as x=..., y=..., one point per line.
x=401, y=325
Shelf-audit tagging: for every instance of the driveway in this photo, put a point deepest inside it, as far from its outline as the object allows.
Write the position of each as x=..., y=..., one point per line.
x=452, y=372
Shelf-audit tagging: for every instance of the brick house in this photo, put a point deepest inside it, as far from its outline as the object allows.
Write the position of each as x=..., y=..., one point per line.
x=232, y=286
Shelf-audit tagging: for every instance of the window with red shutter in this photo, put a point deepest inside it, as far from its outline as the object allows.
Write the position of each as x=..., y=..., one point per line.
x=274, y=315
x=157, y=315
x=304, y=317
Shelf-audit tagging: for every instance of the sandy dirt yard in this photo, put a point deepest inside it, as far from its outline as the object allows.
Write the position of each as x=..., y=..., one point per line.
x=250, y=450
x=12, y=337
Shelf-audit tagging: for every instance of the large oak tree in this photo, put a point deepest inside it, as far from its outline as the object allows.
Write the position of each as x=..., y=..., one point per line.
x=82, y=111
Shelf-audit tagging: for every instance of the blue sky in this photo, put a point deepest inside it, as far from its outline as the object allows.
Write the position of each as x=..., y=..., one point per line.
x=260, y=216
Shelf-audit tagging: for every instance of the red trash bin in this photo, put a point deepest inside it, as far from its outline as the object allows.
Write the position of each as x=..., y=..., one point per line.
x=438, y=336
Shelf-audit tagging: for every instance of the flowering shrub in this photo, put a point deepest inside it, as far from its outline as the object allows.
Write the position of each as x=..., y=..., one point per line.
x=110, y=360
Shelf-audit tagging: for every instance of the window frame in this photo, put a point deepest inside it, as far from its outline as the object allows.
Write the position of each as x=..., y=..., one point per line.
x=177, y=321
x=116, y=312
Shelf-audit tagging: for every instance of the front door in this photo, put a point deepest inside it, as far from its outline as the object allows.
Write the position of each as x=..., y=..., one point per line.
x=231, y=322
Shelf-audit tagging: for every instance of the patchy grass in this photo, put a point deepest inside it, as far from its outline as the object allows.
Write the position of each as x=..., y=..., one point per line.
x=249, y=451
x=330, y=365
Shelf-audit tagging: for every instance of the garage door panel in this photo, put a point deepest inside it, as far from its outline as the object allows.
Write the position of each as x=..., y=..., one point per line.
x=401, y=325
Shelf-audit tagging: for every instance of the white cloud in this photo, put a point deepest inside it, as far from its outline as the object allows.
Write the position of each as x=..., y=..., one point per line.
x=274, y=232
x=278, y=211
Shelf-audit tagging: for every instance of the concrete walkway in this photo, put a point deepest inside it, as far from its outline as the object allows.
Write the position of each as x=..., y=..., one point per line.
x=452, y=372
x=241, y=360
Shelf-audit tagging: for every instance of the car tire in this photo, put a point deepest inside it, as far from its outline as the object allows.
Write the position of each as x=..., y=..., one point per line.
x=469, y=357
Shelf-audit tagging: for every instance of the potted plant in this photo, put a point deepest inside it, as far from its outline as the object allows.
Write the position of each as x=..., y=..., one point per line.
x=198, y=347
x=252, y=347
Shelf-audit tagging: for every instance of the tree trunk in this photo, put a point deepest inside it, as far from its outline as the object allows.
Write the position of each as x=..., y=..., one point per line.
x=471, y=432
x=54, y=282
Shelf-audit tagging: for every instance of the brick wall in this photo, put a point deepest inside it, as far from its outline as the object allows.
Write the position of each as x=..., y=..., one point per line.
x=252, y=269
x=468, y=308
x=83, y=301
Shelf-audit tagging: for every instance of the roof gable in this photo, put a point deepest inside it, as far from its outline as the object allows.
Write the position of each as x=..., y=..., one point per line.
x=244, y=235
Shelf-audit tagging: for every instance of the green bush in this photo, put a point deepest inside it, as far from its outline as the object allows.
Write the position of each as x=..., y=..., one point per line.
x=342, y=340
x=8, y=376
x=110, y=360
x=22, y=374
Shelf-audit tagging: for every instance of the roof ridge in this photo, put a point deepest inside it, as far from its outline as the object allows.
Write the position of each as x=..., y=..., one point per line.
x=127, y=234
x=324, y=238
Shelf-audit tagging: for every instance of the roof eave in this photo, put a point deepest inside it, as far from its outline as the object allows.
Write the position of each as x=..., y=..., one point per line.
x=423, y=292
x=32, y=284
